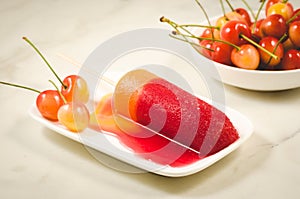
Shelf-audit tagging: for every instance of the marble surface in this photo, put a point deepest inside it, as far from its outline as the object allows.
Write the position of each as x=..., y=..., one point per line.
x=38, y=163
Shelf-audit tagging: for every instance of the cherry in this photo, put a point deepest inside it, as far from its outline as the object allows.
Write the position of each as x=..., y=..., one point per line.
x=211, y=33
x=206, y=48
x=48, y=103
x=71, y=89
x=244, y=13
x=74, y=115
x=270, y=3
x=75, y=89
x=294, y=33
x=291, y=60
x=232, y=31
x=274, y=25
x=284, y=9
x=221, y=53
x=235, y=16
x=247, y=57
x=296, y=15
x=221, y=21
x=273, y=45
x=230, y=16
x=256, y=30
x=287, y=45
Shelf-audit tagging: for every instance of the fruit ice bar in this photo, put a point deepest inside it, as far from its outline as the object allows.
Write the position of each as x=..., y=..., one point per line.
x=172, y=112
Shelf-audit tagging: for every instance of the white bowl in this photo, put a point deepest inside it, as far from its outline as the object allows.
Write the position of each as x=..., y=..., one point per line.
x=256, y=79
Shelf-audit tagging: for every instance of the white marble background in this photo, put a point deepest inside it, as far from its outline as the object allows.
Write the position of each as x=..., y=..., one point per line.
x=37, y=163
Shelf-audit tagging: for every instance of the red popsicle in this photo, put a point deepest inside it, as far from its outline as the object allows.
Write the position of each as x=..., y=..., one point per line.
x=172, y=112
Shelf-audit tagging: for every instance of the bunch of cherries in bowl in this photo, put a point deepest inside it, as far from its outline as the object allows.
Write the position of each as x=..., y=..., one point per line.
x=268, y=40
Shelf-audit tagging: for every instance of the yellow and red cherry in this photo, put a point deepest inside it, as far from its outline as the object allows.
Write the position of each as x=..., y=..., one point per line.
x=273, y=45
x=211, y=33
x=247, y=57
x=274, y=25
x=75, y=88
x=294, y=33
x=221, y=21
x=244, y=13
x=291, y=60
x=284, y=9
x=235, y=16
x=270, y=3
x=48, y=103
x=232, y=31
x=230, y=16
x=74, y=116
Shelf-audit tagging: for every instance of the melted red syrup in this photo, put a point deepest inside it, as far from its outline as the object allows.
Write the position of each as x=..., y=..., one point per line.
x=158, y=149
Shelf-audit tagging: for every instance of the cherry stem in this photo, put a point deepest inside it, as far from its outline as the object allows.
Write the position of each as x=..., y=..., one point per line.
x=211, y=39
x=191, y=43
x=277, y=44
x=176, y=26
x=19, y=86
x=249, y=8
x=257, y=15
x=37, y=50
x=293, y=17
x=230, y=6
x=199, y=25
x=206, y=16
x=61, y=95
x=173, y=24
x=223, y=9
x=258, y=46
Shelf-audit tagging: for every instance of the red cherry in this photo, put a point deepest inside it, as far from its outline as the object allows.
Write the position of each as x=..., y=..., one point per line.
x=232, y=31
x=287, y=45
x=75, y=89
x=206, y=48
x=256, y=31
x=296, y=12
x=48, y=103
x=247, y=57
x=207, y=33
x=294, y=33
x=291, y=60
x=274, y=25
x=221, y=53
x=244, y=13
x=271, y=44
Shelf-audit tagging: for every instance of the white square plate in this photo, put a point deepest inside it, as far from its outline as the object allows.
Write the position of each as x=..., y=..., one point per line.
x=109, y=144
